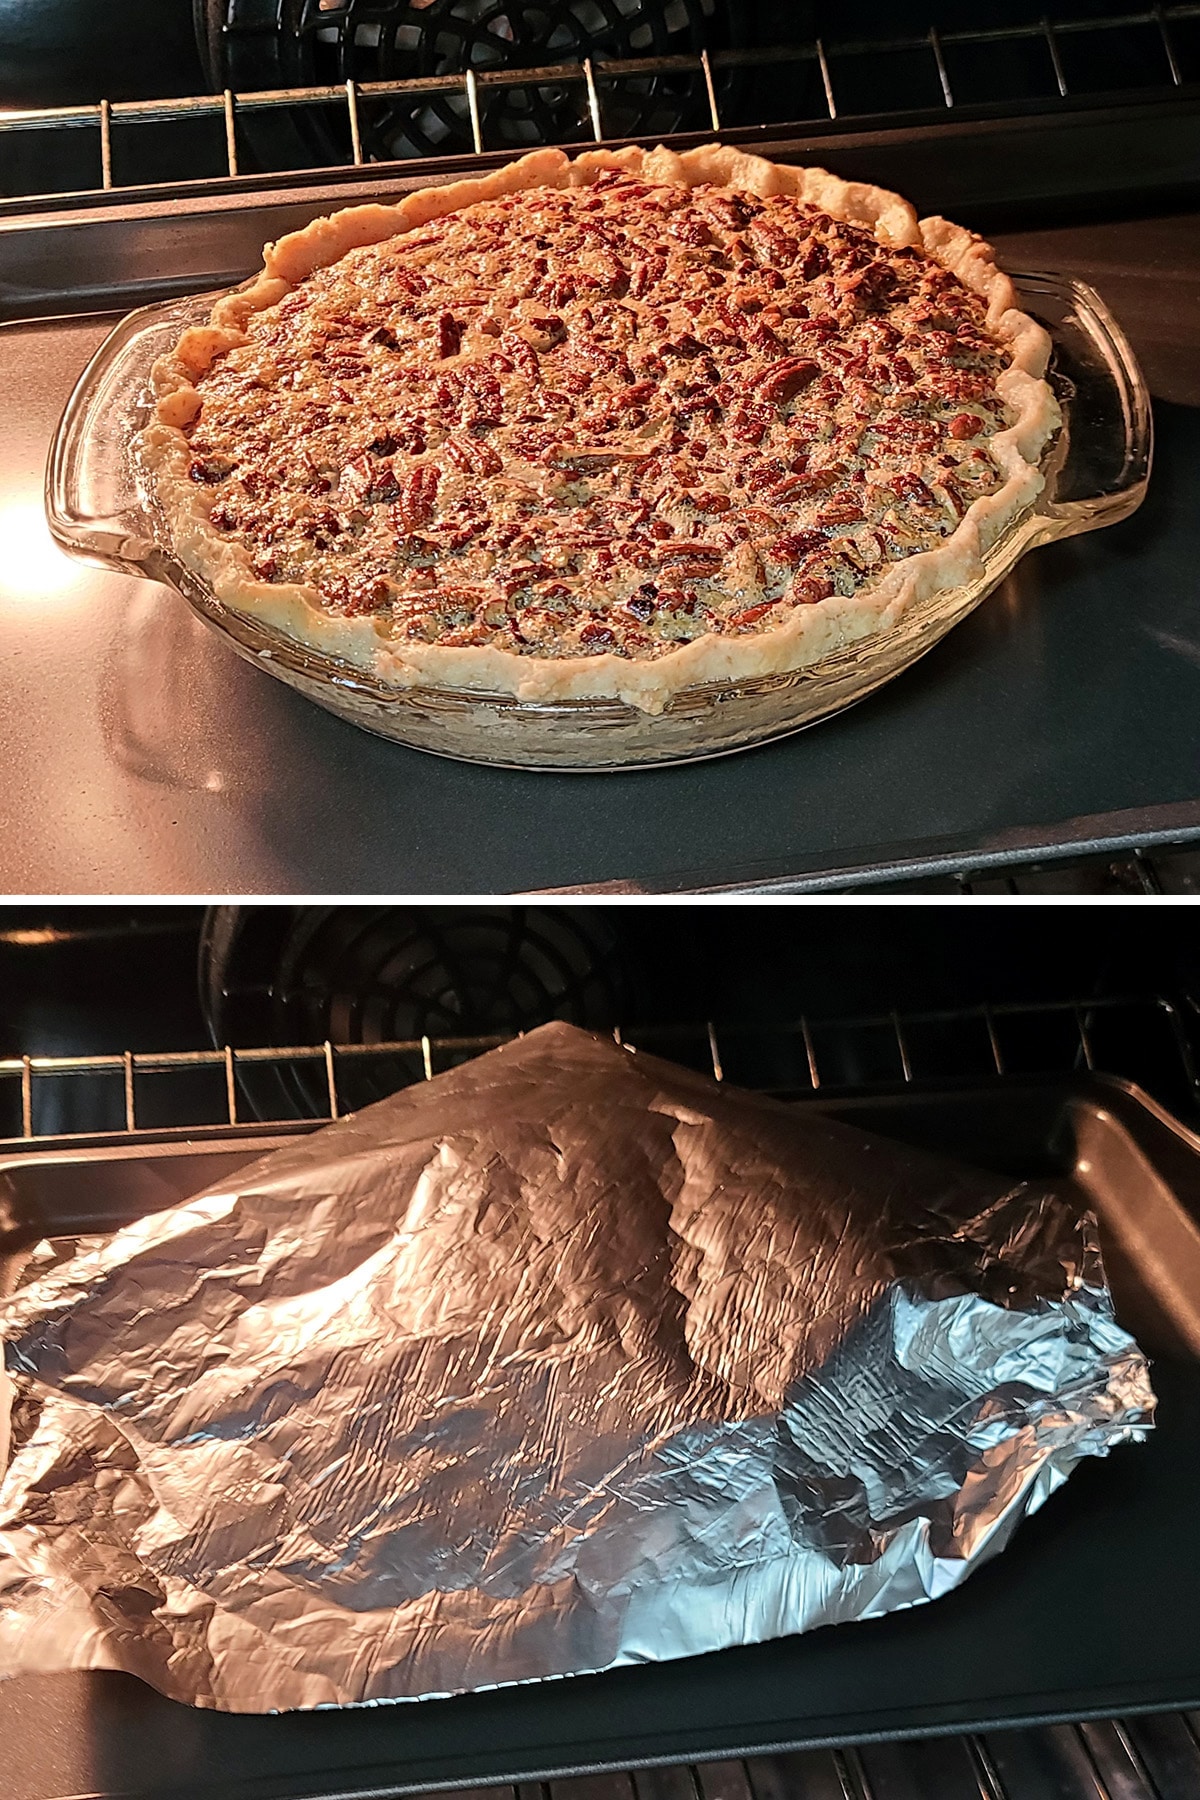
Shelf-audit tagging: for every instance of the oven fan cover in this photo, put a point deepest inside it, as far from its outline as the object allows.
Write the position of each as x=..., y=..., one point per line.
x=383, y=974
x=249, y=44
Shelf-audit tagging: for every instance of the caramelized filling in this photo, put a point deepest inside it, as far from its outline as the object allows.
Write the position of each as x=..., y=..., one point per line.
x=603, y=419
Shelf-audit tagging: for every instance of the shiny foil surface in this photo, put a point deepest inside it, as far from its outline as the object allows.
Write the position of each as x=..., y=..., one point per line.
x=566, y=1359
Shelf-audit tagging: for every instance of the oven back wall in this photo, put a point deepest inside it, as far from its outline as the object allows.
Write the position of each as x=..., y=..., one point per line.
x=92, y=979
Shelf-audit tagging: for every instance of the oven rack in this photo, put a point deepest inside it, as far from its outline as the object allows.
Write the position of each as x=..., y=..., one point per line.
x=592, y=76
x=1114, y=1034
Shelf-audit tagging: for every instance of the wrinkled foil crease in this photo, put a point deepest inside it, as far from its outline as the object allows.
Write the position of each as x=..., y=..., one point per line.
x=566, y=1359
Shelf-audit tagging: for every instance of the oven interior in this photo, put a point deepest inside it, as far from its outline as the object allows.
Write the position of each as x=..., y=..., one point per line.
x=147, y=1053
x=229, y=87
x=153, y=154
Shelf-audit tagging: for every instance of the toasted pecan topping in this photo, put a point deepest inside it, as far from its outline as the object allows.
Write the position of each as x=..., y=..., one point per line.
x=603, y=420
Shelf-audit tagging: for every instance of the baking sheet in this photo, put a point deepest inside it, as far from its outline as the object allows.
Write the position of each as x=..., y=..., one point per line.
x=1087, y=1614
x=565, y=1360
x=143, y=756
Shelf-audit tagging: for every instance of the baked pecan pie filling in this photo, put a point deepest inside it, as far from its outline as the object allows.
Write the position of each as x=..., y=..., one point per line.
x=603, y=419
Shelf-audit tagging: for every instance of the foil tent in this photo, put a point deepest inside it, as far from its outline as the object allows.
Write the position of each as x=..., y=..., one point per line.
x=566, y=1359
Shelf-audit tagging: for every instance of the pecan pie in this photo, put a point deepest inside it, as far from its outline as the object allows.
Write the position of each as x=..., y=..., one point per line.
x=611, y=427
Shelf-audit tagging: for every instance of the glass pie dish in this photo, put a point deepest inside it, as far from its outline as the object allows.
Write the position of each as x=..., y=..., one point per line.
x=101, y=508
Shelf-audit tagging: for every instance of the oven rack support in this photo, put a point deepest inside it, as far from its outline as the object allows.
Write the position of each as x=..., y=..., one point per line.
x=895, y=1053
x=591, y=77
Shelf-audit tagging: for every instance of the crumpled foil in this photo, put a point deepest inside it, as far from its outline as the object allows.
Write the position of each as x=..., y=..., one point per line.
x=565, y=1359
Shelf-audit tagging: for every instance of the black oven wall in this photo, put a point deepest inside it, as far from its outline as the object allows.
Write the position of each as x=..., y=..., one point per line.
x=105, y=980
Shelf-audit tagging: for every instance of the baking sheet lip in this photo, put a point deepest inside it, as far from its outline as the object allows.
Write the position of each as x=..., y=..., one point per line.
x=956, y=1721
x=1167, y=823
x=182, y=1140
x=953, y=1719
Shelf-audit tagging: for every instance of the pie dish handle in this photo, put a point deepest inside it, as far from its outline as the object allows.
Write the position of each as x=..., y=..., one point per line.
x=1101, y=473
x=94, y=507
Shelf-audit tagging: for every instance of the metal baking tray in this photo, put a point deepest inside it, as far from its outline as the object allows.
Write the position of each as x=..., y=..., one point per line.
x=102, y=506
x=1091, y=1611
x=143, y=755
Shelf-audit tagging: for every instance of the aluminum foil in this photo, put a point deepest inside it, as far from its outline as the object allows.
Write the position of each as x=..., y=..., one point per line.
x=565, y=1359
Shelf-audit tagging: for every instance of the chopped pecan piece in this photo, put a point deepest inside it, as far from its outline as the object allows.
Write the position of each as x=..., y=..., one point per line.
x=418, y=497
x=685, y=345
x=699, y=567
x=542, y=331
x=351, y=597
x=872, y=287
x=410, y=280
x=752, y=614
x=732, y=211
x=449, y=335
x=690, y=230
x=482, y=401
x=208, y=470
x=792, y=548
x=810, y=590
x=772, y=246
x=804, y=487
x=750, y=423
x=475, y=458
x=384, y=487
x=765, y=473
x=844, y=509
x=369, y=594
x=522, y=356
x=911, y=490
x=322, y=529
x=757, y=518
x=950, y=494
x=559, y=290
x=788, y=379
x=446, y=392
x=907, y=433
x=646, y=274
x=963, y=384
x=813, y=259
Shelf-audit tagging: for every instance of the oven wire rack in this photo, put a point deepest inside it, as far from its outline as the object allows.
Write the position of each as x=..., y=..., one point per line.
x=839, y=1054
x=592, y=76
x=1155, y=1757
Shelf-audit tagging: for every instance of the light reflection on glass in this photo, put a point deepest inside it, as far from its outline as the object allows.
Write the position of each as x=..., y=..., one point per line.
x=32, y=567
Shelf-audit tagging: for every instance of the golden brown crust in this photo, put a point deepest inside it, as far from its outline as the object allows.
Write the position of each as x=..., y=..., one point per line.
x=809, y=634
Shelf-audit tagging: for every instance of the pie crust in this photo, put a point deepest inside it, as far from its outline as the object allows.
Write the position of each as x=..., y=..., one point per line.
x=1010, y=403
